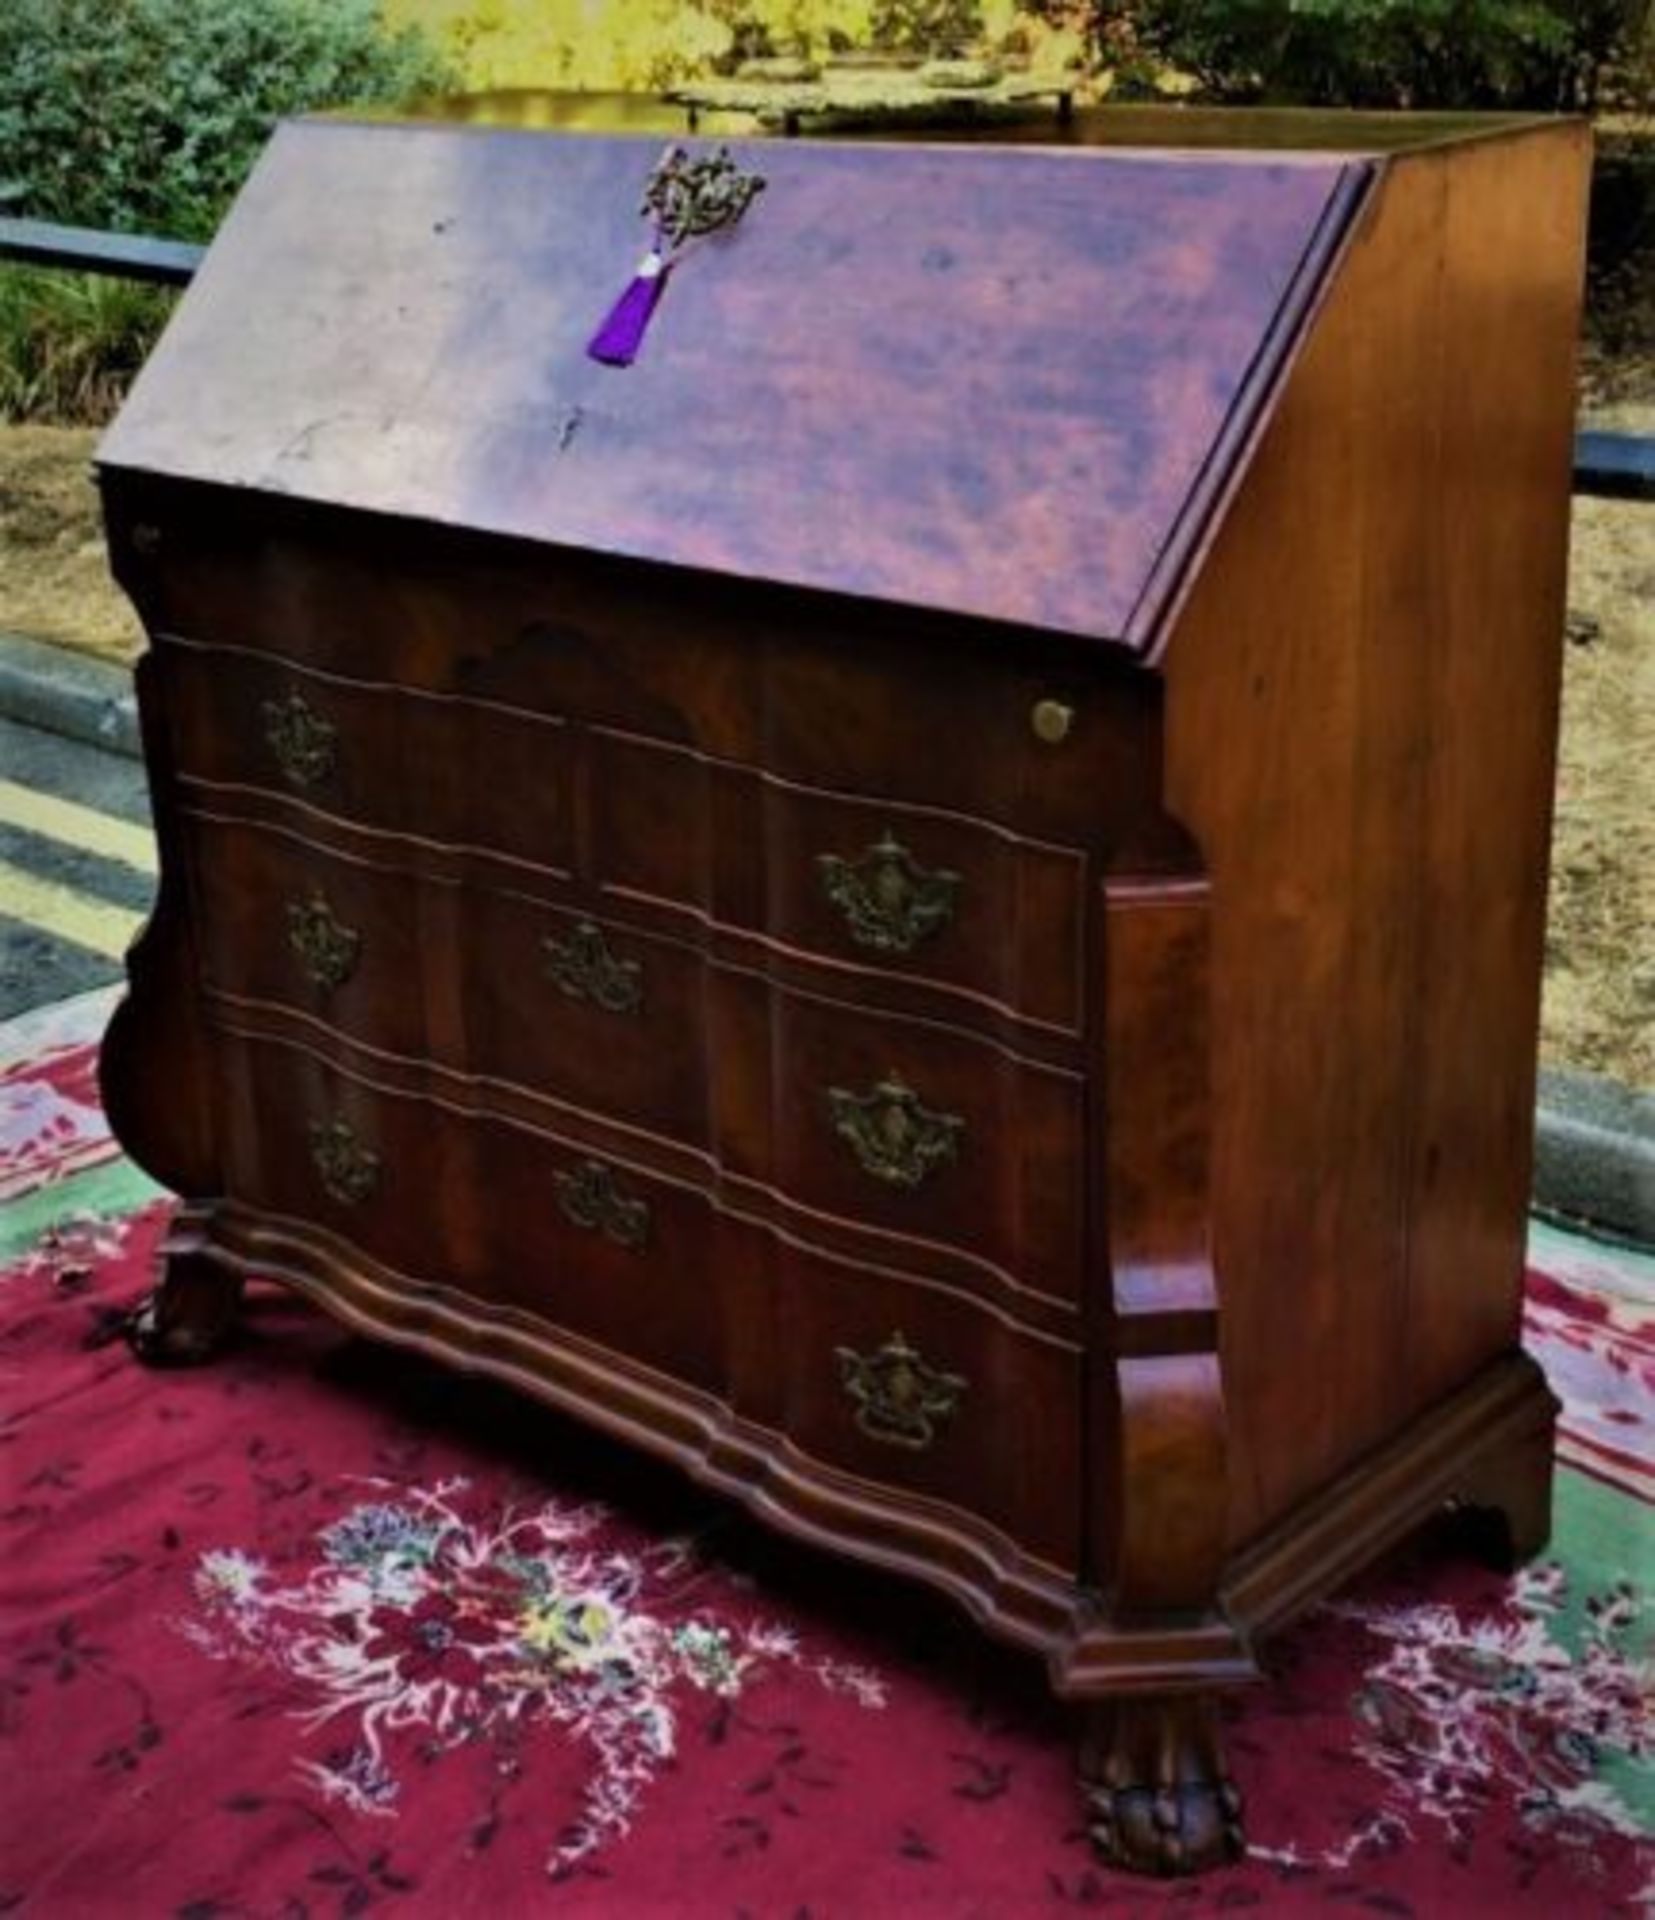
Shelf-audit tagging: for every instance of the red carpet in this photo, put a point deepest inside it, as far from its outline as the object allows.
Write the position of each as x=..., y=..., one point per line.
x=322, y=1631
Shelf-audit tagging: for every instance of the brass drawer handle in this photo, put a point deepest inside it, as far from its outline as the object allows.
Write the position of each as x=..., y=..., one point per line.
x=349, y=1168
x=894, y=1135
x=591, y=1200
x=305, y=742
x=326, y=948
x=583, y=968
x=889, y=901
x=900, y=1398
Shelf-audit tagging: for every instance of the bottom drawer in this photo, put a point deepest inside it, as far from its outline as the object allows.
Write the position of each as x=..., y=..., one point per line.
x=920, y=1390
x=478, y=1205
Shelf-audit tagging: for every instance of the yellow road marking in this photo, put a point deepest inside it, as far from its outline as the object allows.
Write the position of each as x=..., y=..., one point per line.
x=65, y=914
x=80, y=826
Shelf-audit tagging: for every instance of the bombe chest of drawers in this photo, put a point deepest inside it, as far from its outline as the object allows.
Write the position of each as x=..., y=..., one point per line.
x=903, y=858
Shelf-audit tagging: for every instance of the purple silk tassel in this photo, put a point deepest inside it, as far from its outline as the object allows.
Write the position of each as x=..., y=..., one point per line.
x=617, y=341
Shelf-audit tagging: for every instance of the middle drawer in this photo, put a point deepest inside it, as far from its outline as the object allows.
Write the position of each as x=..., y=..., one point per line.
x=487, y=983
x=863, y=1130
x=917, y=904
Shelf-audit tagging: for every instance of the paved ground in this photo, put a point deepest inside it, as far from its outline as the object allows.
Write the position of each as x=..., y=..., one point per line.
x=77, y=865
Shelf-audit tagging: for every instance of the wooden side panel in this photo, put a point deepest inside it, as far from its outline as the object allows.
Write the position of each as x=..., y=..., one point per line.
x=1514, y=221
x=1361, y=705
x=154, y=1075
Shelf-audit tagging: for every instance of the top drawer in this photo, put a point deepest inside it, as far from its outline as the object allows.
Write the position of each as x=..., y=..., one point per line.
x=657, y=832
x=401, y=762
x=1058, y=741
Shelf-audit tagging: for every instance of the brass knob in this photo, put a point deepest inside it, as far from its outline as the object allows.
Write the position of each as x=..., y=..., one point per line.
x=1051, y=720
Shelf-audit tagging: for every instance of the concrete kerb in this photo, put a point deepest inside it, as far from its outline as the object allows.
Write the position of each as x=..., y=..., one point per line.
x=1595, y=1155
x=1594, y=1139
x=69, y=693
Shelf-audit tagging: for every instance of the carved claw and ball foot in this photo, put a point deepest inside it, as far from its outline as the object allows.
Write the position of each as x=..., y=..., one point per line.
x=189, y=1316
x=1157, y=1794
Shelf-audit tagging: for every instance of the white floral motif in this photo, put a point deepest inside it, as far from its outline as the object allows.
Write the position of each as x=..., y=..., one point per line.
x=1462, y=1707
x=227, y=1573
x=421, y=1614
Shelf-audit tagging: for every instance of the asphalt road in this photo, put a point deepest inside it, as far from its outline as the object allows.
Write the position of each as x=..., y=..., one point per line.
x=77, y=865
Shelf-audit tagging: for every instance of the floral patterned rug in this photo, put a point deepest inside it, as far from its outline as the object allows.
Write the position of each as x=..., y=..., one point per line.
x=321, y=1630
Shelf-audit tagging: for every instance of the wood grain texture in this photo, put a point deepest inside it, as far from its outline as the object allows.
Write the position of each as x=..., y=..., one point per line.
x=990, y=384
x=1162, y=1473
x=1134, y=1251
x=1360, y=717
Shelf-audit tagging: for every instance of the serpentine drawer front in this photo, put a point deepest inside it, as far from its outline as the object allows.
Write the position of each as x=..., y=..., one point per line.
x=493, y=986
x=387, y=759
x=986, y=919
x=573, y=1235
x=920, y=889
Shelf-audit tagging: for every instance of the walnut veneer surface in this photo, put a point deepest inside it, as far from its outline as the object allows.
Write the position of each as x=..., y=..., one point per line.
x=928, y=902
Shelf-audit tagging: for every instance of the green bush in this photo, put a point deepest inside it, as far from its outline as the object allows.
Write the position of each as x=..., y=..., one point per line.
x=1549, y=54
x=145, y=115
x=935, y=27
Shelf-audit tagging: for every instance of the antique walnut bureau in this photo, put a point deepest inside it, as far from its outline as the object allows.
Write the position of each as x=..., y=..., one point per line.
x=928, y=900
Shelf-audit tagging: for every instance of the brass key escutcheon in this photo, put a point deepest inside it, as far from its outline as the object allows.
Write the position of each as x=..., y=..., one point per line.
x=349, y=1168
x=890, y=903
x=583, y=968
x=894, y=1135
x=900, y=1398
x=326, y=948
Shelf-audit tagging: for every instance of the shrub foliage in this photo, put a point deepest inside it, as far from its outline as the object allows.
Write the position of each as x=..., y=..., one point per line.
x=1547, y=54
x=145, y=116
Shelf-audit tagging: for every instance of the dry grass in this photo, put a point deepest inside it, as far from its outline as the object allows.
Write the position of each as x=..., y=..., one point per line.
x=1599, y=1011
x=54, y=576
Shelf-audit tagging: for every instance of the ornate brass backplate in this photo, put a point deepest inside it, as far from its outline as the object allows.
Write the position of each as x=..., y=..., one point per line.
x=349, y=1169
x=900, y=1398
x=583, y=968
x=894, y=1135
x=305, y=742
x=590, y=1198
x=327, y=949
x=890, y=902
x=688, y=196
